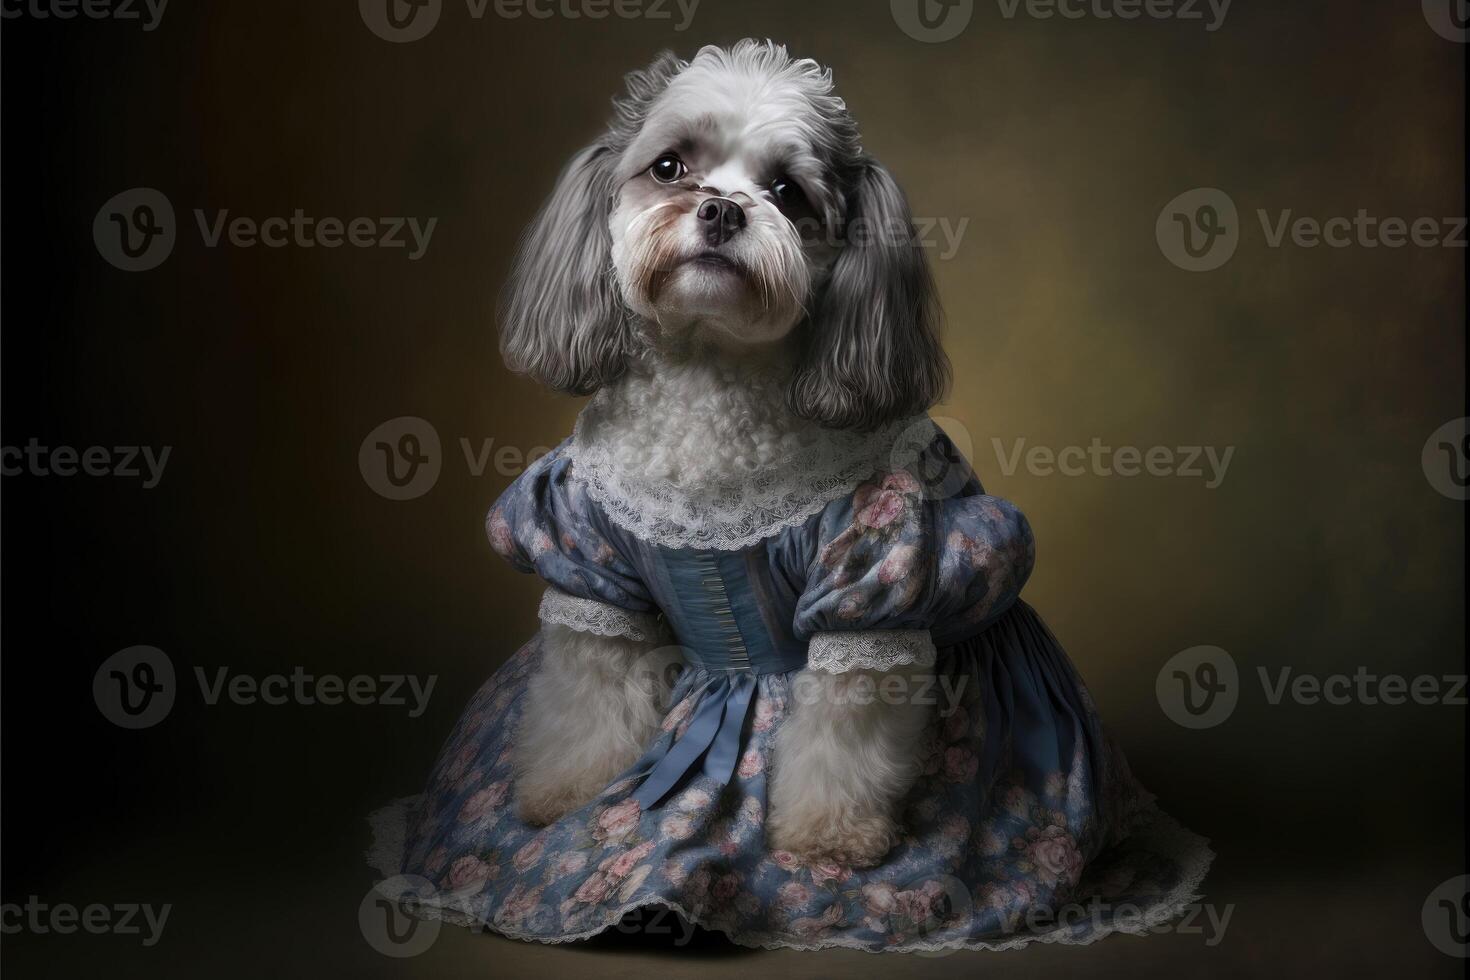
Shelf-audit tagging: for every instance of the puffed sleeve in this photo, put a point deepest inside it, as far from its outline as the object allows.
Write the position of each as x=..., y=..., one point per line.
x=545, y=523
x=903, y=566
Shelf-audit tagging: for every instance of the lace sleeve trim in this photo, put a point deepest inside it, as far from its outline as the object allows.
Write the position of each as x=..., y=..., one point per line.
x=839, y=652
x=599, y=618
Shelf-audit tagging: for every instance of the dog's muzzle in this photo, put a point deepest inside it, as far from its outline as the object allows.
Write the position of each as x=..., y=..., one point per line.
x=721, y=219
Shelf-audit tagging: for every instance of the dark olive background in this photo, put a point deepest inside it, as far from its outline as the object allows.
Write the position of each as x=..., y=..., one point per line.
x=263, y=548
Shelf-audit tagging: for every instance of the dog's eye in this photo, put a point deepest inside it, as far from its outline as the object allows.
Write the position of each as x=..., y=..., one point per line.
x=668, y=168
x=787, y=192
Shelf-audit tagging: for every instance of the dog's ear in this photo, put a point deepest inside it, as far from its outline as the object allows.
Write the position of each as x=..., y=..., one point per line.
x=562, y=320
x=872, y=353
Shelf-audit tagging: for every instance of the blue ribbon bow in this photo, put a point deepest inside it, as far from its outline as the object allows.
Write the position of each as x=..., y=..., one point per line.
x=713, y=735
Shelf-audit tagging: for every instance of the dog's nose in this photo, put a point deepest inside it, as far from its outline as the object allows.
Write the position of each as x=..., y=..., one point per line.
x=721, y=218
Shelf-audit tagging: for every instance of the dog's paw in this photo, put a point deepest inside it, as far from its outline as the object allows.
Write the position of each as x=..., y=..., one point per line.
x=543, y=801
x=842, y=837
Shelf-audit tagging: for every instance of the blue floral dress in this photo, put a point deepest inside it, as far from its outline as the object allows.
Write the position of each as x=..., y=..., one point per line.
x=1024, y=825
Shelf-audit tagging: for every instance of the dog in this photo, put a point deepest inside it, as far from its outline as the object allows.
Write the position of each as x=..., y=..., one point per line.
x=731, y=263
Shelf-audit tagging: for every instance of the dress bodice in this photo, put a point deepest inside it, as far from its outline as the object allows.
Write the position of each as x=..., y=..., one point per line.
x=725, y=609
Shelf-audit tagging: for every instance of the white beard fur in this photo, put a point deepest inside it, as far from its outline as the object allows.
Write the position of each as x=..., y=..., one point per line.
x=843, y=767
x=592, y=708
x=700, y=422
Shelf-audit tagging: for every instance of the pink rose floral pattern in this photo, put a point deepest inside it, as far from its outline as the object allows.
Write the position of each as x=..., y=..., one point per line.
x=899, y=556
x=1025, y=809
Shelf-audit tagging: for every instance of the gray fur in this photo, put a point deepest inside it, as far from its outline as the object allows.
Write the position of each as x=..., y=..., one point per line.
x=872, y=347
x=562, y=320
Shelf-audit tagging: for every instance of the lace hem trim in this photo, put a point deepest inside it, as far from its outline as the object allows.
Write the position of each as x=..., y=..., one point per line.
x=838, y=652
x=737, y=515
x=1190, y=852
x=590, y=616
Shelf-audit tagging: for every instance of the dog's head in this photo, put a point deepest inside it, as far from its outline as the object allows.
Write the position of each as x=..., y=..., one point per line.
x=731, y=204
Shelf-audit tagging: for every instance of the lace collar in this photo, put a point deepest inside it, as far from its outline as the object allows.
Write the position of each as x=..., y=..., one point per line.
x=808, y=468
